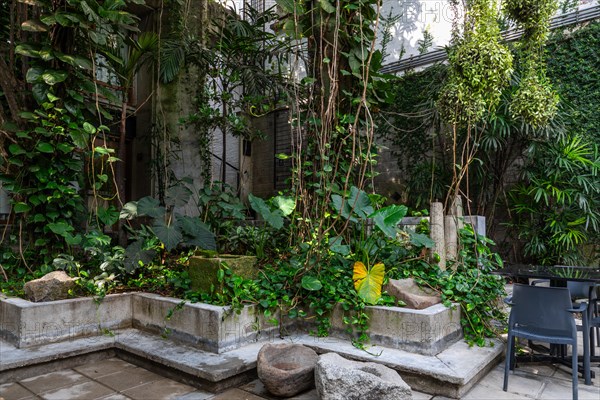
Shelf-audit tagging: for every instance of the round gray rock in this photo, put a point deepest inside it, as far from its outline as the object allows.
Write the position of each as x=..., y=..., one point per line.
x=337, y=378
x=286, y=369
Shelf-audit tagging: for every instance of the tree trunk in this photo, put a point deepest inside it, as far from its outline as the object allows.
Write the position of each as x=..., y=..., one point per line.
x=10, y=87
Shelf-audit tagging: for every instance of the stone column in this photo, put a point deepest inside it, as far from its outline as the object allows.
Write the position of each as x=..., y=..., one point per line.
x=453, y=222
x=437, y=232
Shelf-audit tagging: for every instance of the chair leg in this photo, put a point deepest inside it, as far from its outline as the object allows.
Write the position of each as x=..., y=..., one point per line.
x=574, y=368
x=510, y=345
x=587, y=339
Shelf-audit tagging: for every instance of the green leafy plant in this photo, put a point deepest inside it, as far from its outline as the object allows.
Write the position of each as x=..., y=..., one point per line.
x=169, y=227
x=556, y=206
x=221, y=210
x=469, y=282
x=273, y=212
x=370, y=238
x=368, y=282
x=535, y=101
x=480, y=67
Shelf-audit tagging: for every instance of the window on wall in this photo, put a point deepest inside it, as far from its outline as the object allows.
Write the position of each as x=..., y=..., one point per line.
x=282, y=145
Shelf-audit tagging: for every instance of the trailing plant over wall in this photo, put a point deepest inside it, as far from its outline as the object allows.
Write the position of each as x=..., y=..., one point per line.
x=55, y=133
x=480, y=66
x=535, y=100
x=467, y=281
x=574, y=56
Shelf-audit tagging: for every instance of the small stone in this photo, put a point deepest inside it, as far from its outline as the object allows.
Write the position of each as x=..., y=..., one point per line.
x=52, y=286
x=412, y=294
x=337, y=378
x=286, y=369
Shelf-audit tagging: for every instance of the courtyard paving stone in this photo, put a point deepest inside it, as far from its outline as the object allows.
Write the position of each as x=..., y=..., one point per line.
x=165, y=389
x=53, y=380
x=87, y=390
x=14, y=391
x=133, y=377
x=115, y=379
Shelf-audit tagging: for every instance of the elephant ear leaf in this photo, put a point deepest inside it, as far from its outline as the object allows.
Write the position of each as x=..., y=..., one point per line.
x=368, y=282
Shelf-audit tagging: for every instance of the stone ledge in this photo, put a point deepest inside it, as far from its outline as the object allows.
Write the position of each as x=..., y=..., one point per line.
x=451, y=373
x=213, y=372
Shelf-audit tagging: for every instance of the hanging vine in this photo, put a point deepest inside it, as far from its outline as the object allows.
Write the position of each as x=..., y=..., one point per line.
x=480, y=66
x=535, y=100
x=332, y=114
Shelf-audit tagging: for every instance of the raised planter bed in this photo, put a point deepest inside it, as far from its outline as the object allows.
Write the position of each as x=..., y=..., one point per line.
x=210, y=328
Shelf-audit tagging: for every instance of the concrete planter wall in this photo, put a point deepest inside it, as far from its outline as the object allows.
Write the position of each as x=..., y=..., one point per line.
x=25, y=324
x=210, y=328
x=428, y=331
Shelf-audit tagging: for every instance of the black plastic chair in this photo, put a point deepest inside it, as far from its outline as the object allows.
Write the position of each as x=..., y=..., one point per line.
x=588, y=291
x=594, y=323
x=544, y=314
x=582, y=290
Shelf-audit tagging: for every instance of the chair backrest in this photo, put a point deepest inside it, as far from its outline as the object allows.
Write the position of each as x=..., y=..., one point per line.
x=542, y=307
x=580, y=289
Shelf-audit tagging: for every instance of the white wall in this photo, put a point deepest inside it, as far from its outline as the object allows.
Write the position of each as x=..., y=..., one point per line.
x=415, y=17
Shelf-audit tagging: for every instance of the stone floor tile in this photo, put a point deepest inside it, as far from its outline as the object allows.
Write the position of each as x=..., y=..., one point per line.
x=560, y=390
x=480, y=392
x=196, y=395
x=102, y=368
x=53, y=380
x=519, y=382
x=14, y=391
x=236, y=394
x=84, y=391
x=421, y=396
x=257, y=388
x=164, y=389
x=115, y=396
x=134, y=377
x=308, y=395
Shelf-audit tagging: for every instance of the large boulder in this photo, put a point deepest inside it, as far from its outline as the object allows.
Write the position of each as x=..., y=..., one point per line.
x=52, y=286
x=337, y=378
x=286, y=369
x=412, y=294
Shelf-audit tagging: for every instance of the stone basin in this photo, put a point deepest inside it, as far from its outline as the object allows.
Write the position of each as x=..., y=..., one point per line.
x=286, y=369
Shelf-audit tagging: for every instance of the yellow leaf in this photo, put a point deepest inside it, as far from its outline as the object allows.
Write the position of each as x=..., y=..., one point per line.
x=368, y=282
x=360, y=272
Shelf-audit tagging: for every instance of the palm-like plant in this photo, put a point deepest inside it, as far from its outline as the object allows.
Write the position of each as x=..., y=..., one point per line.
x=557, y=205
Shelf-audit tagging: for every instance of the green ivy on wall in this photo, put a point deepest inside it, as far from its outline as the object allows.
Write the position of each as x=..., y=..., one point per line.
x=573, y=67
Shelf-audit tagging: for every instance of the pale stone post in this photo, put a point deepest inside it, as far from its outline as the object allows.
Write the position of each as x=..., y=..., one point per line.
x=437, y=232
x=452, y=223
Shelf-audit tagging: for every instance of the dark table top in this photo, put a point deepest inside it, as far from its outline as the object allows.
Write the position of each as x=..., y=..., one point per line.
x=553, y=272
